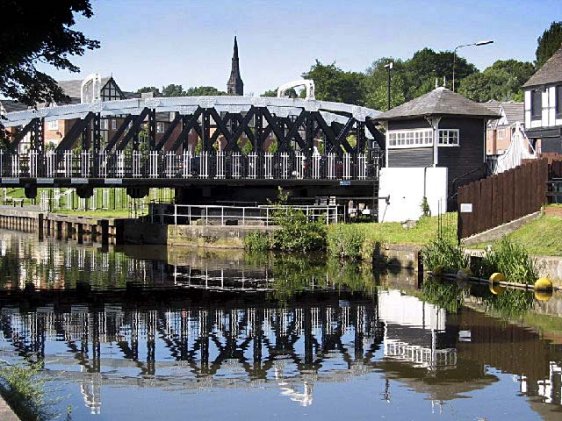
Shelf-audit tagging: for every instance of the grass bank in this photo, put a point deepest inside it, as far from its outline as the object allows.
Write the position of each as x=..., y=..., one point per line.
x=539, y=237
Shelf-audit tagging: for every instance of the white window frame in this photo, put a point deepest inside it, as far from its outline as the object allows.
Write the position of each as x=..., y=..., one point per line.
x=159, y=127
x=113, y=124
x=53, y=125
x=104, y=124
x=410, y=138
x=456, y=137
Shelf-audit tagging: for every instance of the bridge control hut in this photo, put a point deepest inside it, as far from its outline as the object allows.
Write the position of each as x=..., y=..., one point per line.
x=438, y=141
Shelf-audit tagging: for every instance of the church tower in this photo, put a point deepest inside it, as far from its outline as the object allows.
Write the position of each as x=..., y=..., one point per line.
x=235, y=86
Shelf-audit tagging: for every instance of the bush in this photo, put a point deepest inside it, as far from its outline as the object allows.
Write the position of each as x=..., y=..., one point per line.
x=23, y=389
x=512, y=260
x=441, y=255
x=346, y=241
x=257, y=241
x=296, y=232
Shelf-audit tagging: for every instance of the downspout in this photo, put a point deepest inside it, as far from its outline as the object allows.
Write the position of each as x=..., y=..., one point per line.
x=434, y=123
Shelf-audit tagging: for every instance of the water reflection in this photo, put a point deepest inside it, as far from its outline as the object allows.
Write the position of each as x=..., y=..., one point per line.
x=284, y=324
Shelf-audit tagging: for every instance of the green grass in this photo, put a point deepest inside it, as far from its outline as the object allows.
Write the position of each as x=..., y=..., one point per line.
x=539, y=237
x=424, y=231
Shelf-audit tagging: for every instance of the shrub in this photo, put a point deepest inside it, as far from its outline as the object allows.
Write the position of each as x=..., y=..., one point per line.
x=512, y=260
x=346, y=241
x=441, y=255
x=23, y=389
x=257, y=241
x=296, y=232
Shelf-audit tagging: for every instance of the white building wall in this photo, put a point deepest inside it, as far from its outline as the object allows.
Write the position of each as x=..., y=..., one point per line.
x=405, y=188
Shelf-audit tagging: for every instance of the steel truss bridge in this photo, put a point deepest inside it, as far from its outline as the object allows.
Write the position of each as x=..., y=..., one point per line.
x=317, y=143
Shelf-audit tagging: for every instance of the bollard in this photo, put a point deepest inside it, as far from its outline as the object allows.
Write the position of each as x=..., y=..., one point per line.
x=40, y=226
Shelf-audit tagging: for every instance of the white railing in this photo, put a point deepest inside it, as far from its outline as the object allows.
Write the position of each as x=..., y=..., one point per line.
x=206, y=165
x=239, y=215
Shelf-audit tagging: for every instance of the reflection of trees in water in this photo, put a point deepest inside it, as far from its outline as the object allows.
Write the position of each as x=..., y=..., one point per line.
x=509, y=303
x=445, y=294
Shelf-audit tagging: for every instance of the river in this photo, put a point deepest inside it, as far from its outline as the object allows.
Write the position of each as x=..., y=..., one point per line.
x=146, y=333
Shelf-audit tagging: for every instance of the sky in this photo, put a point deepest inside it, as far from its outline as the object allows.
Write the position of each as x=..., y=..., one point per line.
x=189, y=42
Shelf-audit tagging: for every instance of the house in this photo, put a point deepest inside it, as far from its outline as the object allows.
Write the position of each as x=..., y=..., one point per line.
x=543, y=106
x=434, y=144
x=499, y=132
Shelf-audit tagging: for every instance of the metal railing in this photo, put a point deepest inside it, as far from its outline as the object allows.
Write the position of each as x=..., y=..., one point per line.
x=168, y=165
x=265, y=215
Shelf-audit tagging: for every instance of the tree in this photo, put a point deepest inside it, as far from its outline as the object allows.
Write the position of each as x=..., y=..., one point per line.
x=33, y=32
x=203, y=91
x=146, y=89
x=501, y=81
x=376, y=81
x=548, y=43
x=270, y=93
x=426, y=65
x=172, y=90
x=334, y=84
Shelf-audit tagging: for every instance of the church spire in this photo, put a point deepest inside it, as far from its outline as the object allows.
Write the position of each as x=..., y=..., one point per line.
x=235, y=86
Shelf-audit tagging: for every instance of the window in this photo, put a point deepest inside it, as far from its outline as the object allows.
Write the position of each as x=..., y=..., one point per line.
x=103, y=124
x=114, y=124
x=559, y=101
x=536, y=104
x=53, y=125
x=159, y=127
x=448, y=137
x=416, y=138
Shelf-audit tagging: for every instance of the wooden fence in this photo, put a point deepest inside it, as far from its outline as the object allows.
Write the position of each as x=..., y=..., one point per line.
x=495, y=200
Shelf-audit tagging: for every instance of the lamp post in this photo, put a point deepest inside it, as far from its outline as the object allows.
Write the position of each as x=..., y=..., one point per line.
x=389, y=67
x=474, y=44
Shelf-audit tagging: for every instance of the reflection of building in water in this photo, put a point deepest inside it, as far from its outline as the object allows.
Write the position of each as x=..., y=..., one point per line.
x=415, y=331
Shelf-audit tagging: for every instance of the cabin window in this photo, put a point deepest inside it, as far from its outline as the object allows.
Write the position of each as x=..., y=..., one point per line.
x=415, y=138
x=559, y=101
x=53, y=125
x=448, y=137
x=536, y=104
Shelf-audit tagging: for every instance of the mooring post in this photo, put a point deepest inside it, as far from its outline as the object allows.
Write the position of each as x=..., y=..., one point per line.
x=40, y=226
x=104, y=223
x=80, y=233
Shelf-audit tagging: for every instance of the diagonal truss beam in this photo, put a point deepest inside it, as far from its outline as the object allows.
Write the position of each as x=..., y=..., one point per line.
x=134, y=130
x=77, y=129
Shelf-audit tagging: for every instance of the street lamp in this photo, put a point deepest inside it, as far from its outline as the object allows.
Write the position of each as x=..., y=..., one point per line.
x=474, y=44
x=389, y=67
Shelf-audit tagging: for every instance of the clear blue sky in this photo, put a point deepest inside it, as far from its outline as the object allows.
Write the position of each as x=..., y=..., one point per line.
x=188, y=42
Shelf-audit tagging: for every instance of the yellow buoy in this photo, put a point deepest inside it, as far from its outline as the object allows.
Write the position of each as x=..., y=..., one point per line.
x=496, y=289
x=497, y=277
x=543, y=284
x=543, y=295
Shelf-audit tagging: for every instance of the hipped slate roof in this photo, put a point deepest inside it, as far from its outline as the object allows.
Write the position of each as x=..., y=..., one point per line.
x=550, y=72
x=440, y=101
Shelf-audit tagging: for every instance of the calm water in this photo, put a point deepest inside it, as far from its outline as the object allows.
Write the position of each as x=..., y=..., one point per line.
x=172, y=336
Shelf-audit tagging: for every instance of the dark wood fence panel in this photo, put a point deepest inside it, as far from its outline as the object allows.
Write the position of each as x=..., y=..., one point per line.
x=504, y=197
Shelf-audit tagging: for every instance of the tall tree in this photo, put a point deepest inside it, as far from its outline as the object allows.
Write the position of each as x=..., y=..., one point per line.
x=548, y=43
x=172, y=90
x=376, y=84
x=203, y=91
x=33, y=32
x=146, y=89
x=501, y=81
x=334, y=84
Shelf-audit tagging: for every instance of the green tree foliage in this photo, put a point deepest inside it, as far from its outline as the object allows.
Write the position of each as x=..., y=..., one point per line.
x=501, y=81
x=334, y=84
x=426, y=65
x=270, y=93
x=173, y=90
x=203, y=91
x=147, y=89
x=548, y=43
x=33, y=32
x=376, y=82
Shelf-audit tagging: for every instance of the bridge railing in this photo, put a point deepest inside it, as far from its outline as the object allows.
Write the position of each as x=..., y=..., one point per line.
x=238, y=215
x=172, y=165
